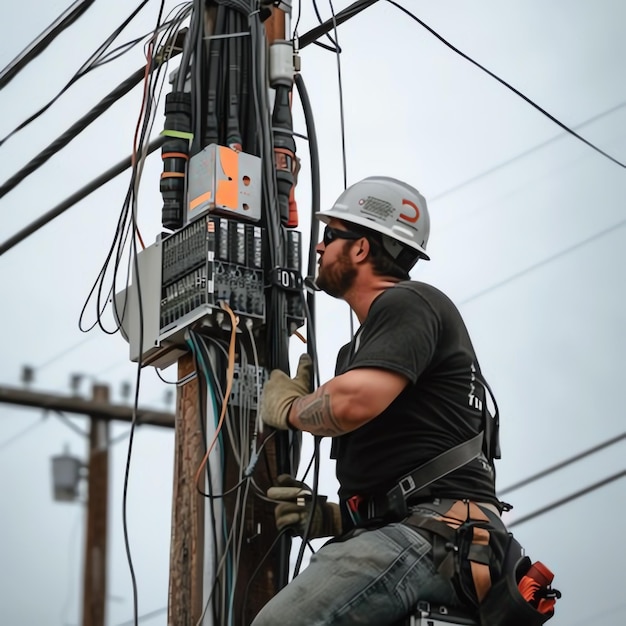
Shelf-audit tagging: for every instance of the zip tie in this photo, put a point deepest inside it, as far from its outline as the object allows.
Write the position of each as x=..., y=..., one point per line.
x=226, y=36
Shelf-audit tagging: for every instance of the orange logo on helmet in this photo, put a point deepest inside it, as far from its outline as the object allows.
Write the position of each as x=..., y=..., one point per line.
x=410, y=218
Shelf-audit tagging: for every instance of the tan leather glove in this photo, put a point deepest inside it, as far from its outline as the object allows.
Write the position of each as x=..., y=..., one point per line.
x=294, y=508
x=280, y=391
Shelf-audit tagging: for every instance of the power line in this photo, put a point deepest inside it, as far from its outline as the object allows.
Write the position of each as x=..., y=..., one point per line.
x=64, y=352
x=7, y=442
x=169, y=50
x=82, y=193
x=73, y=131
x=524, y=153
x=38, y=45
x=86, y=67
x=562, y=464
x=315, y=33
x=545, y=261
x=570, y=498
x=507, y=85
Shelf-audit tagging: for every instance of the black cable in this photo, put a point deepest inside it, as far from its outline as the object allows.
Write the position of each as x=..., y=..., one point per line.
x=84, y=69
x=77, y=127
x=545, y=261
x=7, y=442
x=507, y=85
x=335, y=47
x=134, y=255
x=73, y=131
x=523, y=154
x=315, y=189
x=567, y=499
x=69, y=202
x=562, y=464
x=37, y=46
x=295, y=28
x=280, y=536
x=314, y=490
x=347, y=13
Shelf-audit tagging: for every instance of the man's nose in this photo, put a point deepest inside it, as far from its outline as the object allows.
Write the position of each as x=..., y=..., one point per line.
x=319, y=248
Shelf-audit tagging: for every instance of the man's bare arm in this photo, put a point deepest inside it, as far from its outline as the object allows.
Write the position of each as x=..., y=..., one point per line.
x=346, y=402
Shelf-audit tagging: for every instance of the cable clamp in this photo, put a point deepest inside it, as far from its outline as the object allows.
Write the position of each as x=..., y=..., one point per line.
x=287, y=279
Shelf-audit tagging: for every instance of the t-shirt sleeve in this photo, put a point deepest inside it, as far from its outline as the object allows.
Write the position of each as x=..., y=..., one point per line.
x=400, y=334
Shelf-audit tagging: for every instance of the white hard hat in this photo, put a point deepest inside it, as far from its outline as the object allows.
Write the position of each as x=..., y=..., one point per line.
x=387, y=206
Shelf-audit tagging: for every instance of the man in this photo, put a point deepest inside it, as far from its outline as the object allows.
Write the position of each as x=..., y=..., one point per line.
x=407, y=389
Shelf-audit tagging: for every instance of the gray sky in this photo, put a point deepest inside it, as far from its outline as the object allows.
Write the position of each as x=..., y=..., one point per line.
x=528, y=232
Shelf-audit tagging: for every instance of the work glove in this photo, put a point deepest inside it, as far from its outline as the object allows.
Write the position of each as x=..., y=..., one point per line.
x=280, y=391
x=294, y=508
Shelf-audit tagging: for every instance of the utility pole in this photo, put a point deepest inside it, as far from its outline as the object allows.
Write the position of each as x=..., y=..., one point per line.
x=101, y=413
x=95, y=572
x=260, y=566
x=187, y=545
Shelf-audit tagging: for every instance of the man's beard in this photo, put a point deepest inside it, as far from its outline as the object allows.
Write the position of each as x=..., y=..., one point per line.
x=337, y=278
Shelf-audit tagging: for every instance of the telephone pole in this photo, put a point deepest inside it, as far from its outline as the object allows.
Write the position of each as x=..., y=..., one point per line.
x=202, y=527
x=100, y=412
x=187, y=544
x=95, y=572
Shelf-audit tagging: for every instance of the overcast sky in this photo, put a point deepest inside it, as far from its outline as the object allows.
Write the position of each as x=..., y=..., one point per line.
x=528, y=232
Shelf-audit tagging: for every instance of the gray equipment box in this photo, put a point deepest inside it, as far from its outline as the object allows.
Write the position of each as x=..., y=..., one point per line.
x=224, y=181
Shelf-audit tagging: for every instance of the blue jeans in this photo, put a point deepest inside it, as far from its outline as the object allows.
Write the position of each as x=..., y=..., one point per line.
x=374, y=577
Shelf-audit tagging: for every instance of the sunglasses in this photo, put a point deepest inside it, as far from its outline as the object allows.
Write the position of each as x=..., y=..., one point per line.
x=332, y=234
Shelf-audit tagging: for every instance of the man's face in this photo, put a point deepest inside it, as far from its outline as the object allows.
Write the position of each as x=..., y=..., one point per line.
x=336, y=273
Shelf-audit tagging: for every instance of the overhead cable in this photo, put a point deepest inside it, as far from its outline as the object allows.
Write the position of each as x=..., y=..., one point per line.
x=13, y=438
x=507, y=85
x=38, y=45
x=562, y=464
x=523, y=154
x=328, y=25
x=567, y=499
x=88, y=65
x=69, y=202
x=77, y=127
x=545, y=261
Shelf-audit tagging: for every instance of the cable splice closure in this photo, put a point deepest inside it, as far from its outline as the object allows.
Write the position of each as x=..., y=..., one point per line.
x=175, y=154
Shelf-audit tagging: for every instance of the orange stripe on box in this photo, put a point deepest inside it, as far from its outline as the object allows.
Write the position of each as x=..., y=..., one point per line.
x=227, y=193
x=199, y=200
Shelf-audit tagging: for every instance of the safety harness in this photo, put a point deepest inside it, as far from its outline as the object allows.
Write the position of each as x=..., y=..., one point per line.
x=471, y=545
x=413, y=487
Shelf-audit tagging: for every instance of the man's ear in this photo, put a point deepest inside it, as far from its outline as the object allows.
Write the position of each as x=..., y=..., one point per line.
x=361, y=249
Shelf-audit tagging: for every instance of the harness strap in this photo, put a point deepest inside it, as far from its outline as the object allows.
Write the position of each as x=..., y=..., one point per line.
x=444, y=525
x=433, y=470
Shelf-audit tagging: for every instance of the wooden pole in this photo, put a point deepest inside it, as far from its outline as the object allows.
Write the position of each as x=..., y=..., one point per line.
x=94, y=580
x=187, y=545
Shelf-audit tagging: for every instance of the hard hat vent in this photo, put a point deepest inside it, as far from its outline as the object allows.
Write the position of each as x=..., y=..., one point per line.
x=377, y=207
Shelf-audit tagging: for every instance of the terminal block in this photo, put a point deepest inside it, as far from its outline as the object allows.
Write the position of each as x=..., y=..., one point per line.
x=211, y=260
x=248, y=381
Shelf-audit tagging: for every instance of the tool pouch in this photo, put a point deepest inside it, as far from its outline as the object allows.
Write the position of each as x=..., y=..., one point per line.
x=485, y=564
x=504, y=605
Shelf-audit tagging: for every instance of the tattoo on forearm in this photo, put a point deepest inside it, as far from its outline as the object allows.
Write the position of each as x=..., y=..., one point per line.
x=316, y=415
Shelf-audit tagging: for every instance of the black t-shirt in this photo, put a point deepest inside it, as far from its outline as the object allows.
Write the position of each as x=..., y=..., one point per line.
x=415, y=330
